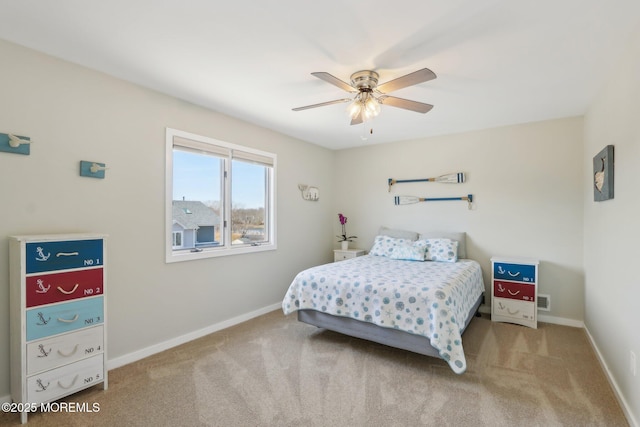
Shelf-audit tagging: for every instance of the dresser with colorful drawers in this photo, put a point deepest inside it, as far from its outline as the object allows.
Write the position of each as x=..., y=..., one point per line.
x=514, y=291
x=57, y=316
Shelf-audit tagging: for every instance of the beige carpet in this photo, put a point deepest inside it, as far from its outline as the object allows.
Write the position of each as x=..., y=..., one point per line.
x=275, y=371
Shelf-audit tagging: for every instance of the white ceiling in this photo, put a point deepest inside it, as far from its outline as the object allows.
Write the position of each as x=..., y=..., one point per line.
x=498, y=62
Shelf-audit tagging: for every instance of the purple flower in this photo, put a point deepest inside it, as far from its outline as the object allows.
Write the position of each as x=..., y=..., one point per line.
x=343, y=221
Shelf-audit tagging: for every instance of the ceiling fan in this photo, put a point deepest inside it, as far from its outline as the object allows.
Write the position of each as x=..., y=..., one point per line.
x=369, y=95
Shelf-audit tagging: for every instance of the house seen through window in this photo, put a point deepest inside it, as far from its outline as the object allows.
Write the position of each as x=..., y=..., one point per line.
x=220, y=198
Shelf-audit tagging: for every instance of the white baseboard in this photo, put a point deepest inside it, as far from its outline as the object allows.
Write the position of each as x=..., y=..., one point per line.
x=157, y=348
x=560, y=321
x=616, y=390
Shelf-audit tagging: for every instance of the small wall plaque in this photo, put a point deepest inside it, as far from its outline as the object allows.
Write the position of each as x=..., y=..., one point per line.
x=16, y=144
x=92, y=169
x=603, y=174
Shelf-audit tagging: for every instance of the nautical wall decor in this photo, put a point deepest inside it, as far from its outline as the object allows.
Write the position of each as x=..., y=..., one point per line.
x=16, y=144
x=409, y=200
x=309, y=193
x=92, y=169
x=451, y=178
x=603, y=174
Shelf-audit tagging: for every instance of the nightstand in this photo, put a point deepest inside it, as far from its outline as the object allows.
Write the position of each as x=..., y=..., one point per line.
x=514, y=291
x=340, y=255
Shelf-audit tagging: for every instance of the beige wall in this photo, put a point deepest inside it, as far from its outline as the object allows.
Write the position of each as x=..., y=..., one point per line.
x=72, y=114
x=612, y=228
x=527, y=185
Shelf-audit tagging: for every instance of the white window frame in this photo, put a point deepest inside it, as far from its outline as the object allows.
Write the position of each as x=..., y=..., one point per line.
x=227, y=248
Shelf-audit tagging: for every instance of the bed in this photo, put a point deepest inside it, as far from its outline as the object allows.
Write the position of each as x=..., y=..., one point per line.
x=419, y=305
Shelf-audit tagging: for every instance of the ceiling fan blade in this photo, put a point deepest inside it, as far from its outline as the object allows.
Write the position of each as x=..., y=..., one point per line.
x=334, y=81
x=406, y=104
x=414, y=78
x=322, y=104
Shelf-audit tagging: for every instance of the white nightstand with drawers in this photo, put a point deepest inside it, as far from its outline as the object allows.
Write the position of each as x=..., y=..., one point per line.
x=514, y=291
x=341, y=255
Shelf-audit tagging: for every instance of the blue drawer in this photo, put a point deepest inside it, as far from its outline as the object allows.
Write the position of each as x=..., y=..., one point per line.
x=48, y=256
x=516, y=272
x=56, y=319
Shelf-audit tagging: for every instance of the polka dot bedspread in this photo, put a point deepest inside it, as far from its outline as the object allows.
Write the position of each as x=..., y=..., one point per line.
x=432, y=299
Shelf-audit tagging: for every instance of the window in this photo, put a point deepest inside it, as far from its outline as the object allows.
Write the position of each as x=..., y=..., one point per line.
x=220, y=198
x=177, y=239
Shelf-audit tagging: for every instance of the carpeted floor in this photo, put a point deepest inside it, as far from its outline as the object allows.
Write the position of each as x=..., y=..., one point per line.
x=275, y=371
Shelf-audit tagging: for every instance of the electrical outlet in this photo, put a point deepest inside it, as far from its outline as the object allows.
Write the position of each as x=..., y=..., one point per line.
x=632, y=363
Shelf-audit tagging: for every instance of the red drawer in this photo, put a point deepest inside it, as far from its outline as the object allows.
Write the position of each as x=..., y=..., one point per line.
x=48, y=288
x=513, y=290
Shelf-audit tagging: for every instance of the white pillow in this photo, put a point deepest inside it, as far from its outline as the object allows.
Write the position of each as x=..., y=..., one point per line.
x=445, y=250
x=398, y=248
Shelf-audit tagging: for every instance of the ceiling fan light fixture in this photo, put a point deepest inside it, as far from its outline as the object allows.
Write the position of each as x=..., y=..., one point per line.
x=355, y=108
x=372, y=106
x=370, y=96
x=364, y=104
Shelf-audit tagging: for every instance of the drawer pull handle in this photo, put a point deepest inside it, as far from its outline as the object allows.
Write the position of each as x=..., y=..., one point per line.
x=68, y=320
x=70, y=385
x=512, y=313
x=513, y=293
x=513, y=274
x=69, y=354
x=59, y=254
x=68, y=292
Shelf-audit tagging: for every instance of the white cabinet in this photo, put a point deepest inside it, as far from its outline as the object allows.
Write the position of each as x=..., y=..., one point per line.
x=341, y=255
x=514, y=291
x=57, y=316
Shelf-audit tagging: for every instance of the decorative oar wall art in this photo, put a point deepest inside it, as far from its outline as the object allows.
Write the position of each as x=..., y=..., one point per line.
x=451, y=178
x=409, y=200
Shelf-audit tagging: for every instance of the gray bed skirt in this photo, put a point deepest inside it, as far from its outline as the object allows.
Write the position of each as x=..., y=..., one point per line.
x=369, y=331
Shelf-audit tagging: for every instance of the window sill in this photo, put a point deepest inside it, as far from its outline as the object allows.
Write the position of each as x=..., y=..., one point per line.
x=187, y=255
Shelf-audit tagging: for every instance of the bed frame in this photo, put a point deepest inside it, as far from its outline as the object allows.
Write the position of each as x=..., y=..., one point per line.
x=369, y=331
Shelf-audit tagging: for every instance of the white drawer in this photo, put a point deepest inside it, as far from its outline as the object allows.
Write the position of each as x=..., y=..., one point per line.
x=340, y=255
x=62, y=349
x=56, y=383
x=514, y=309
